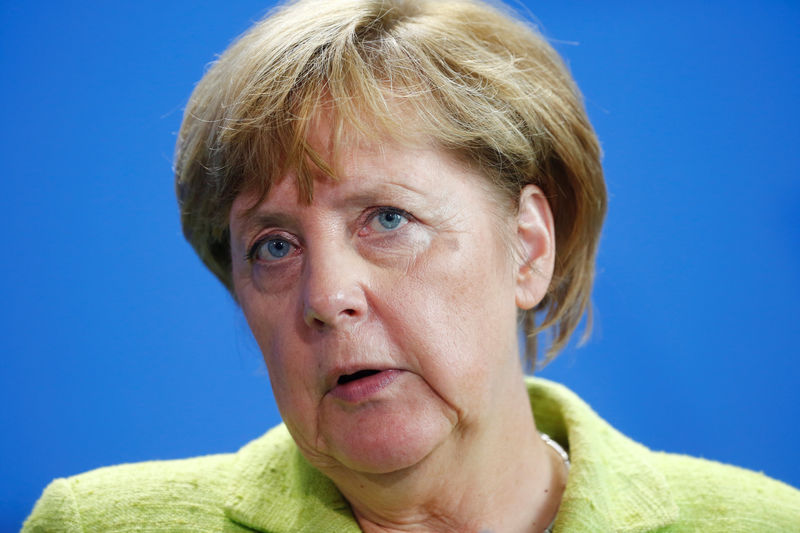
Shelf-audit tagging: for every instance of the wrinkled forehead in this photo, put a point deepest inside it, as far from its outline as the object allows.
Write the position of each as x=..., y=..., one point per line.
x=416, y=176
x=329, y=141
x=337, y=139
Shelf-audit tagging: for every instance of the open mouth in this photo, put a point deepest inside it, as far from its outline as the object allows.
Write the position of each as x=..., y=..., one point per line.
x=355, y=376
x=363, y=385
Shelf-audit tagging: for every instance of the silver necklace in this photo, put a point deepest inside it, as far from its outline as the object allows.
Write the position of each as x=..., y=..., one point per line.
x=564, y=457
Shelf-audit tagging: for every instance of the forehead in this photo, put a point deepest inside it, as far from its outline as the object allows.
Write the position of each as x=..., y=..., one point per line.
x=365, y=172
x=326, y=147
x=353, y=165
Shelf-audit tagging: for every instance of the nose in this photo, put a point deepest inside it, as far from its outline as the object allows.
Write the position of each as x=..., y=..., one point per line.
x=333, y=295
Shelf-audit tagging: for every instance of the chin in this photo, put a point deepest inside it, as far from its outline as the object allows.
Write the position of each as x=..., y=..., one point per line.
x=383, y=443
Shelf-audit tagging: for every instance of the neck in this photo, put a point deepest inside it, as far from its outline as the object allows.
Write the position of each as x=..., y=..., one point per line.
x=499, y=477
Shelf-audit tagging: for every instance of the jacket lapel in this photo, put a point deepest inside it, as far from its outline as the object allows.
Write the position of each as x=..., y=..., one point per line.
x=612, y=485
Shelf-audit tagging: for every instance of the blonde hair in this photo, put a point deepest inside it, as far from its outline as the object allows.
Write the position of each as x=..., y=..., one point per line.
x=478, y=81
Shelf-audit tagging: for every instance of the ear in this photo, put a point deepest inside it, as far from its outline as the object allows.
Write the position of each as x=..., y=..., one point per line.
x=537, y=247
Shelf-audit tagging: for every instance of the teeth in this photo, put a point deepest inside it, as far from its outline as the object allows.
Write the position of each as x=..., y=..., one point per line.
x=356, y=375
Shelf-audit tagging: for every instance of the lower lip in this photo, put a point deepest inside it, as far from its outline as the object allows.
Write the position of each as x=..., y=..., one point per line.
x=364, y=388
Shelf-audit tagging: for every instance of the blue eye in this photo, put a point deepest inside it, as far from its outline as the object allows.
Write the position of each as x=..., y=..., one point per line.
x=271, y=249
x=389, y=220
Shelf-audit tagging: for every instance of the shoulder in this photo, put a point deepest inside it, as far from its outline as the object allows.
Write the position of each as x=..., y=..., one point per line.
x=178, y=495
x=266, y=486
x=714, y=497
x=617, y=484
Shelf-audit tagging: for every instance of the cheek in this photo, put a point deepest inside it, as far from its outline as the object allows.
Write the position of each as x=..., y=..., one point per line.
x=266, y=327
x=254, y=314
x=291, y=368
x=457, y=306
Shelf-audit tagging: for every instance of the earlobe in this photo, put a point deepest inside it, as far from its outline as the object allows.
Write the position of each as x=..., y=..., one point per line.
x=537, y=247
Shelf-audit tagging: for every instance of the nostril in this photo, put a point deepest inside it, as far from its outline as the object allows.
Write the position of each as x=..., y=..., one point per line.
x=322, y=310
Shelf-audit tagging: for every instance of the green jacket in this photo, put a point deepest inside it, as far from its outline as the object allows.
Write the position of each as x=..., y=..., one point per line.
x=615, y=485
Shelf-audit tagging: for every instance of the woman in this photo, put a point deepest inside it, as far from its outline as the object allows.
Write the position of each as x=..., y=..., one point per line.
x=387, y=189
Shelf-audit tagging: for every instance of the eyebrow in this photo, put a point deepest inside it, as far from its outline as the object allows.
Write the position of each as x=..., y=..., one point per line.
x=369, y=195
x=252, y=222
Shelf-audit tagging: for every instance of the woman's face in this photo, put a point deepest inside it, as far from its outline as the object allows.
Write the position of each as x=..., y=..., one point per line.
x=385, y=309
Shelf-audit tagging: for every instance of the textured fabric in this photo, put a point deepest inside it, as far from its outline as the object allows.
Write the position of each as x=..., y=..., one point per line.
x=618, y=485
x=614, y=485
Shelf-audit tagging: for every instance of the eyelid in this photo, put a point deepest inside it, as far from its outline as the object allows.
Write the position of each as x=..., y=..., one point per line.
x=252, y=250
x=375, y=211
x=372, y=213
x=369, y=215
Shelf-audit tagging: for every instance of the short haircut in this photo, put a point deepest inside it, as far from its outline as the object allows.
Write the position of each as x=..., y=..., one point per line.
x=478, y=81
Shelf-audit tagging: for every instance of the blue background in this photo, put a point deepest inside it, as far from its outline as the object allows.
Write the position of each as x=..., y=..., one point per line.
x=118, y=346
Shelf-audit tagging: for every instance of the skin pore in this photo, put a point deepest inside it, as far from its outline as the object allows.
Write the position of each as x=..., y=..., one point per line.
x=386, y=313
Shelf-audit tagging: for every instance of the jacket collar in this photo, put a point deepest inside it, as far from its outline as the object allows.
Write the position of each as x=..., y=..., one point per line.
x=274, y=489
x=612, y=485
